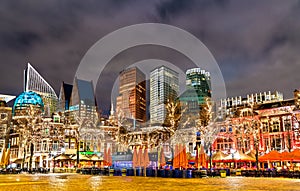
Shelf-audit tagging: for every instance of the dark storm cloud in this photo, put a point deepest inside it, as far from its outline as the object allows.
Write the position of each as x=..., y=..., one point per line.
x=256, y=43
x=248, y=39
x=19, y=40
x=172, y=8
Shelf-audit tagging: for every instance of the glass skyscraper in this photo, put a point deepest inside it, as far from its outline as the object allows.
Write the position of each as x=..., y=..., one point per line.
x=131, y=101
x=199, y=80
x=83, y=101
x=164, y=87
x=33, y=81
x=198, y=88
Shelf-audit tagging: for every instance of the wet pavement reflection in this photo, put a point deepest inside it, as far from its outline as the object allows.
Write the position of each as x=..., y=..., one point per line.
x=74, y=182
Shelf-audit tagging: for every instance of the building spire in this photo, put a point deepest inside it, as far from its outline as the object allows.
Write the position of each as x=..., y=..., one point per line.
x=112, y=109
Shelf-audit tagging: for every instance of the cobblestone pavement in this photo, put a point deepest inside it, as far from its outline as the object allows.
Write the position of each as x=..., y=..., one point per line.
x=75, y=182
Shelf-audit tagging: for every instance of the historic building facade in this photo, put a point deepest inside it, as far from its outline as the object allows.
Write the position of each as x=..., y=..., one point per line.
x=272, y=125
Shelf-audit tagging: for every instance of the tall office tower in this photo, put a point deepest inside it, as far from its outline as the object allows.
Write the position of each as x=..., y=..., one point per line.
x=65, y=96
x=198, y=88
x=199, y=80
x=131, y=102
x=83, y=113
x=164, y=87
x=33, y=81
x=83, y=101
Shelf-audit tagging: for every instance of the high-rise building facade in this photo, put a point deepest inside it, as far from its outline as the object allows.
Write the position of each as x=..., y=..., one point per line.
x=164, y=87
x=65, y=96
x=229, y=105
x=33, y=81
x=131, y=102
x=83, y=101
x=198, y=89
x=199, y=80
x=83, y=113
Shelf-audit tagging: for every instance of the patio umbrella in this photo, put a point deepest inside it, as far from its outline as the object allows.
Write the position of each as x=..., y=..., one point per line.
x=295, y=154
x=271, y=156
x=81, y=157
x=146, y=158
x=218, y=156
x=186, y=158
x=197, y=157
x=176, y=159
x=143, y=164
x=181, y=157
x=7, y=157
x=2, y=161
x=286, y=156
x=140, y=157
x=28, y=158
x=134, y=158
x=162, y=159
x=251, y=153
x=183, y=162
x=109, y=157
x=62, y=157
x=95, y=158
x=202, y=157
x=238, y=156
x=105, y=158
x=18, y=160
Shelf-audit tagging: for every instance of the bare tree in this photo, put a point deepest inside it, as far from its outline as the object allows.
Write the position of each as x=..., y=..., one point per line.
x=205, y=113
x=248, y=126
x=29, y=130
x=206, y=127
x=86, y=129
x=174, y=113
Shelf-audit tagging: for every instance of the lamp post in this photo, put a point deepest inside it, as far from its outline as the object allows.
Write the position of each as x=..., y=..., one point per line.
x=288, y=128
x=210, y=157
x=232, y=155
x=256, y=152
x=198, y=143
x=77, y=153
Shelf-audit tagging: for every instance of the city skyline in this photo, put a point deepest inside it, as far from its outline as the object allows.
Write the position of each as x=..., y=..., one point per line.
x=256, y=51
x=143, y=95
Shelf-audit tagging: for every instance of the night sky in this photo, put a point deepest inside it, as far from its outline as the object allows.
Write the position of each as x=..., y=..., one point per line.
x=256, y=43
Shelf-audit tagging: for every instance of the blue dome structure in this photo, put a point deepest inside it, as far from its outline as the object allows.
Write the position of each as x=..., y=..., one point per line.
x=25, y=99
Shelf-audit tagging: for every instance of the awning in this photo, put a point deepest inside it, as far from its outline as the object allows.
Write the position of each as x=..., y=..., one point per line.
x=62, y=157
x=218, y=156
x=271, y=156
x=81, y=157
x=96, y=158
x=238, y=156
x=17, y=160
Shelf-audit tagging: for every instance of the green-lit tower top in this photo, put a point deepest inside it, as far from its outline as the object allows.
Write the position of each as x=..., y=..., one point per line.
x=199, y=80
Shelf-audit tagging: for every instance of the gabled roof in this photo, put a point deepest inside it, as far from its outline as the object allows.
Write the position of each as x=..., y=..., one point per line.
x=83, y=93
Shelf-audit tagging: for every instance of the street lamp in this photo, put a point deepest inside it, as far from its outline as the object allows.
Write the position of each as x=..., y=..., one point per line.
x=232, y=155
x=256, y=153
x=288, y=128
x=210, y=157
x=198, y=144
